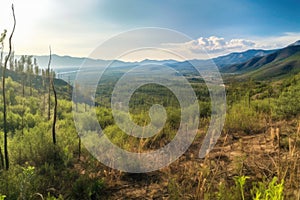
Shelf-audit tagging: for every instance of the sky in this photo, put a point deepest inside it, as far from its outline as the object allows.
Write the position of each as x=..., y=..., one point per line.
x=76, y=28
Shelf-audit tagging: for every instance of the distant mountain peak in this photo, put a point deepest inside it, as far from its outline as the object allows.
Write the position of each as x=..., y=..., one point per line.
x=280, y=63
x=149, y=61
x=240, y=57
x=295, y=43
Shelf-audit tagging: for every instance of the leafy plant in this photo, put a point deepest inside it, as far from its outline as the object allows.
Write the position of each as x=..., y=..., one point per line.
x=87, y=188
x=288, y=103
x=2, y=197
x=26, y=181
x=240, y=182
x=49, y=197
x=241, y=118
x=271, y=191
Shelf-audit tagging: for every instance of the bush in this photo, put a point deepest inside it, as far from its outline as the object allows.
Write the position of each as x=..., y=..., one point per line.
x=242, y=118
x=37, y=149
x=264, y=106
x=85, y=188
x=19, y=182
x=288, y=103
x=205, y=109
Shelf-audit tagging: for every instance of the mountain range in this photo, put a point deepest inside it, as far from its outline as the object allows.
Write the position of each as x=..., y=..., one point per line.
x=255, y=63
x=280, y=63
x=68, y=61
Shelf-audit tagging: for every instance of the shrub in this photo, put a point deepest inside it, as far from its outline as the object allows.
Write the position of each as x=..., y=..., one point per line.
x=288, y=103
x=242, y=118
x=86, y=188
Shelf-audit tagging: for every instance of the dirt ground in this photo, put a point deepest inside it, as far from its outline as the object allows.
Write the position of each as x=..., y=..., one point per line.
x=258, y=156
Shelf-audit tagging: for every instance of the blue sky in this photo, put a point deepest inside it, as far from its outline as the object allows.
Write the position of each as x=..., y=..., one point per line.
x=77, y=27
x=230, y=18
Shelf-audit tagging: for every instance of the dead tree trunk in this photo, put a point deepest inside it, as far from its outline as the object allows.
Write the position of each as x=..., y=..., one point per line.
x=4, y=94
x=3, y=35
x=49, y=84
x=55, y=101
x=79, y=147
x=54, y=113
x=1, y=159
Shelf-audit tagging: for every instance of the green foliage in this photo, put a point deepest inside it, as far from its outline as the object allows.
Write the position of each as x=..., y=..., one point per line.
x=240, y=182
x=268, y=191
x=288, y=103
x=237, y=191
x=85, y=188
x=2, y=197
x=242, y=118
x=174, y=119
x=26, y=182
x=260, y=190
x=49, y=197
x=19, y=182
x=38, y=148
x=104, y=116
x=117, y=136
x=205, y=109
x=264, y=106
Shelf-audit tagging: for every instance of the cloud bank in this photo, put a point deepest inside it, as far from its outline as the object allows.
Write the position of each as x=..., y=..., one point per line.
x=214, y=46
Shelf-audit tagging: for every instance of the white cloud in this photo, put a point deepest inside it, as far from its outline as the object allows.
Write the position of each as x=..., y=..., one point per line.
x=274, y=42
x=214, y=46
x=240, y=44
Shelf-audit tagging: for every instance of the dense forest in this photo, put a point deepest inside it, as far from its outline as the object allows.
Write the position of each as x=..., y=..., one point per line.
x=41, y=155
